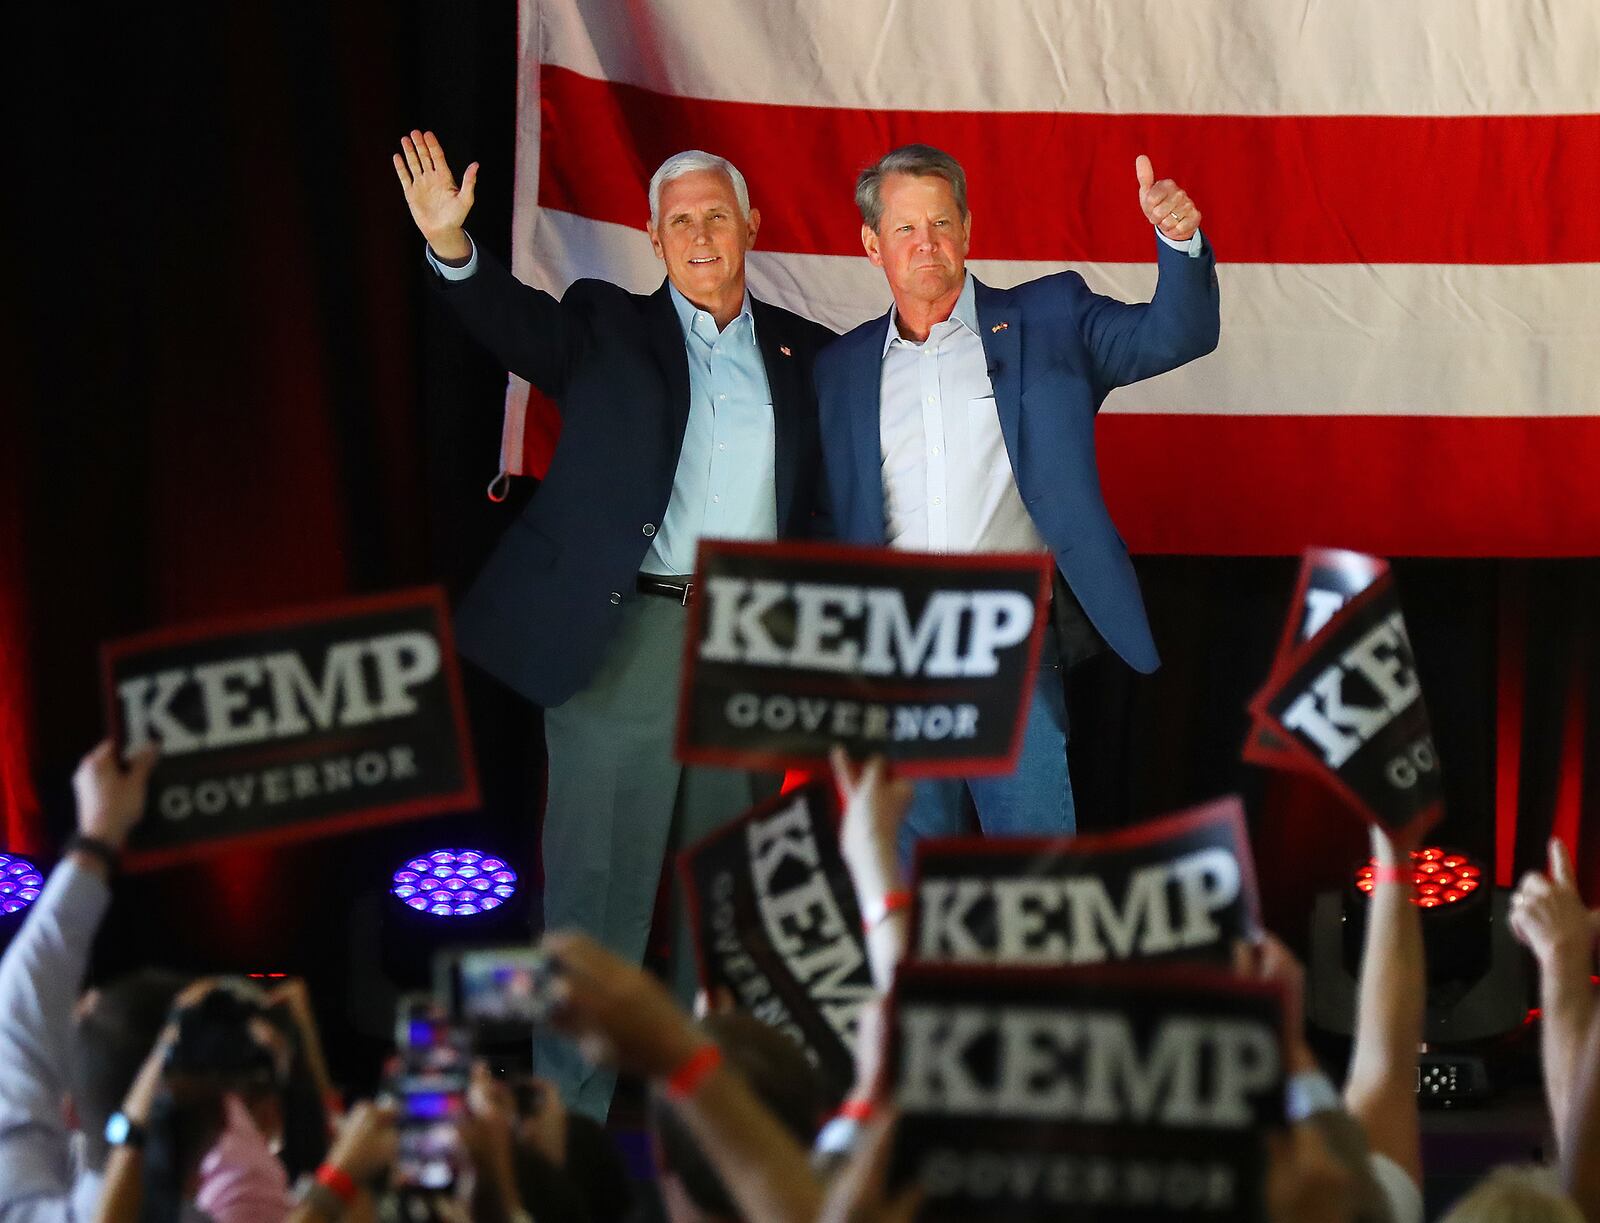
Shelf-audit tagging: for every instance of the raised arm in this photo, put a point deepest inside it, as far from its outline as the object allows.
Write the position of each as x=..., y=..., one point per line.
x=1550, y=918
x=1381, y=1089
x=622, y=1016
x=875, y=806
x=1183, y=320
x=40, y=977
x=438, y=206
x=526, y=329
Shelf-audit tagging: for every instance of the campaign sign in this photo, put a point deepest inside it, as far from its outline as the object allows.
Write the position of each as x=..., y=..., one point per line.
x=299, y=723
x=1179, y=887
x=1328, y=579
x=927, y=660
x=776, y=924
x=1125, y=1093
x=1349, y=705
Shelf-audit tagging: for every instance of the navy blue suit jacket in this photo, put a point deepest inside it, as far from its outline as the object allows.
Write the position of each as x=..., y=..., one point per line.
x=542, y=610
x=1055, y=350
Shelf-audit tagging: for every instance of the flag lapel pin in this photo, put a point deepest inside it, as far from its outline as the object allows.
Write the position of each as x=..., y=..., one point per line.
x=784, y=349
x=998, y=327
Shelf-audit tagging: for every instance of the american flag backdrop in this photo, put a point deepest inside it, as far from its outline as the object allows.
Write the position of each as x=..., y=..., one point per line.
x=1401, y=195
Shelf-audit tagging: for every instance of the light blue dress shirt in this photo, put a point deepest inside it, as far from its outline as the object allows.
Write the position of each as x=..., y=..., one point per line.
x=724, y=486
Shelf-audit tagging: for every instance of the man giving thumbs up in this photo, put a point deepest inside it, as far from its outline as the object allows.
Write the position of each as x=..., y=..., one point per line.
x=963, y=421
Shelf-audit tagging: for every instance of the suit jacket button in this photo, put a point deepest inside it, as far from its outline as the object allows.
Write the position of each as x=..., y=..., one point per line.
x=649, y=529
x=616, y=596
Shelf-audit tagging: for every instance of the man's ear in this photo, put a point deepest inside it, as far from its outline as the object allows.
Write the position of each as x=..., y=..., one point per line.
x=655, y=242
x=869, y=242
x=966, y=231
x=69, y=1114
x=752, y=224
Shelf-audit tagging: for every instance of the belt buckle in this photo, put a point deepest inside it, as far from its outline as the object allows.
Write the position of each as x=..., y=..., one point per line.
x=688, y=588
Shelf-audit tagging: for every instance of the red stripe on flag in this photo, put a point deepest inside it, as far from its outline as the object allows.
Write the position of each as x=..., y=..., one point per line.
x=1275, y=189
x=1390, y=485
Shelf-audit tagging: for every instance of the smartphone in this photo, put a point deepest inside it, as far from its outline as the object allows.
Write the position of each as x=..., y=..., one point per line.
x=431, y=1100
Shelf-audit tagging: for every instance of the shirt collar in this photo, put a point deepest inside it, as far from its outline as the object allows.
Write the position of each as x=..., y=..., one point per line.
x=687, y=311
x=965, y=313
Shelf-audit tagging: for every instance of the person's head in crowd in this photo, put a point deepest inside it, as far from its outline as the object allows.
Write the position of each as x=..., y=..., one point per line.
x=782, y=1079
x=1526, y=1194
x=116, y=1027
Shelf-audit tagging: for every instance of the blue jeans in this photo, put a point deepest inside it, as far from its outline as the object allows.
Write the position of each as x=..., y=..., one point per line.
x=1034, y=800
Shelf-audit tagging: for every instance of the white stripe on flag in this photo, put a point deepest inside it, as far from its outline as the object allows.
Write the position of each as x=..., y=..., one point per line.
x=1229, y=57
x=1297, y=339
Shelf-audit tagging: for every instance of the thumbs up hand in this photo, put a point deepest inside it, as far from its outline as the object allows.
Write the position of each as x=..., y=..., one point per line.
x=1166, y=205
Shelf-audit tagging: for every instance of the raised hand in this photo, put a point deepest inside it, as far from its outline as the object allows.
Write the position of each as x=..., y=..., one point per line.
x=111, y=797
x=1549, y=916
x=438, y=206
x=1166, y=205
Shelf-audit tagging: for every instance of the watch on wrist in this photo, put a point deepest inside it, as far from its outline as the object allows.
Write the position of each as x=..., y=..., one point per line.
x=93, y=846
x=122, y=1131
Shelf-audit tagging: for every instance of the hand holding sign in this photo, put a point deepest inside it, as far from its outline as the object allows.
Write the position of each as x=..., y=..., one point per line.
x=111, y=798
x=1166, y=205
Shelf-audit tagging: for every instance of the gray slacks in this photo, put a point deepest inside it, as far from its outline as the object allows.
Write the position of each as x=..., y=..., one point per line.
x=617, y=804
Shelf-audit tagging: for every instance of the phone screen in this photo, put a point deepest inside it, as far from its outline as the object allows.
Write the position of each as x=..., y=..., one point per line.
x=431, y=1101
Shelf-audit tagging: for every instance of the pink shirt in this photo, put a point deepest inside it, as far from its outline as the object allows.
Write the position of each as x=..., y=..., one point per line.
x=241, y=1180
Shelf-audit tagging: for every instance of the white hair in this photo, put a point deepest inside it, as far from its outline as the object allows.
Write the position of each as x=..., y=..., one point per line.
x=688, y=162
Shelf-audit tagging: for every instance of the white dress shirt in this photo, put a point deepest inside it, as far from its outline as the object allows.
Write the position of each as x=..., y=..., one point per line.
x=948, y=485
x=947, y=480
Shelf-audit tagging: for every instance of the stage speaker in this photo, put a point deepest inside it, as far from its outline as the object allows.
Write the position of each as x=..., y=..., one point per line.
x=1479, y=978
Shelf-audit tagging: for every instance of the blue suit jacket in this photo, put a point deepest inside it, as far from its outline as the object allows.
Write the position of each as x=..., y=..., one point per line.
x=1055, y=350
x=543, y=609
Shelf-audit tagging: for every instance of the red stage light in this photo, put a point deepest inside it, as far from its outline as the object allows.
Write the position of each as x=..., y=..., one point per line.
x=1438, y=877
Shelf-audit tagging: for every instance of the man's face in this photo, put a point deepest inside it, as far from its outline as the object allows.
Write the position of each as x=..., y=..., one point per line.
x=701, y=236
x=921, y=240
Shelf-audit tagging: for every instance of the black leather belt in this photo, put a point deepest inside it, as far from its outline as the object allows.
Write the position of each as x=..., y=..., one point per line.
x=668, y=587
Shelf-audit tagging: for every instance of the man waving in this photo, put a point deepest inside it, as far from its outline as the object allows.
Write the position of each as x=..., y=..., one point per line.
x=685, y=413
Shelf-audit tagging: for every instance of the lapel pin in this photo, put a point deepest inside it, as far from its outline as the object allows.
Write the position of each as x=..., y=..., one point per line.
x=784, y=349
x=999, y=326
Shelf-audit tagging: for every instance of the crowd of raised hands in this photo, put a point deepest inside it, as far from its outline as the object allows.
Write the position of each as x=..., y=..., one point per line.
x=255, y=1129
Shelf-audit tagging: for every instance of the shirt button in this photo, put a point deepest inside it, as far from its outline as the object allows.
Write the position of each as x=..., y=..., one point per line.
x=933, y=399
x=721, y=396
x=722, y=445
x=715, y=500
x=649, y=529
x=616, y=597
x=934, y=452
x=938, y=500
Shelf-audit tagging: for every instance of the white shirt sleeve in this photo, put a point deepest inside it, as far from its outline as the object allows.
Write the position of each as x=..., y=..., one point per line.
x=471, y=265
x=1191, y=246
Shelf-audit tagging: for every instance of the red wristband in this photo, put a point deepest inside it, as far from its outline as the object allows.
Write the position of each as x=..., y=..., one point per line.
x=857, y=1110
x=893, y=902
x=695, y=1070
x=338, y=1182
x=1387, y=872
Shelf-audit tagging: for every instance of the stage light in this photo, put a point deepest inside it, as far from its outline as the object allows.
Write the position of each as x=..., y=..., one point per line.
x=20, y=883
x=454, y=883
x=1439, y=877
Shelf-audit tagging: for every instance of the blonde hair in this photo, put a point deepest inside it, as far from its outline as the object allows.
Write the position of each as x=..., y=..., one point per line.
x=1523, y=1194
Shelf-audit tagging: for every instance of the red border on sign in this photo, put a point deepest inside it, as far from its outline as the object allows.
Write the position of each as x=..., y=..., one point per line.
x=691, y=894
x=1227, y=810
x=1309, y=559
x=432, y=597
x=1307, y=760
x=1155, y=977
x=882, y=557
